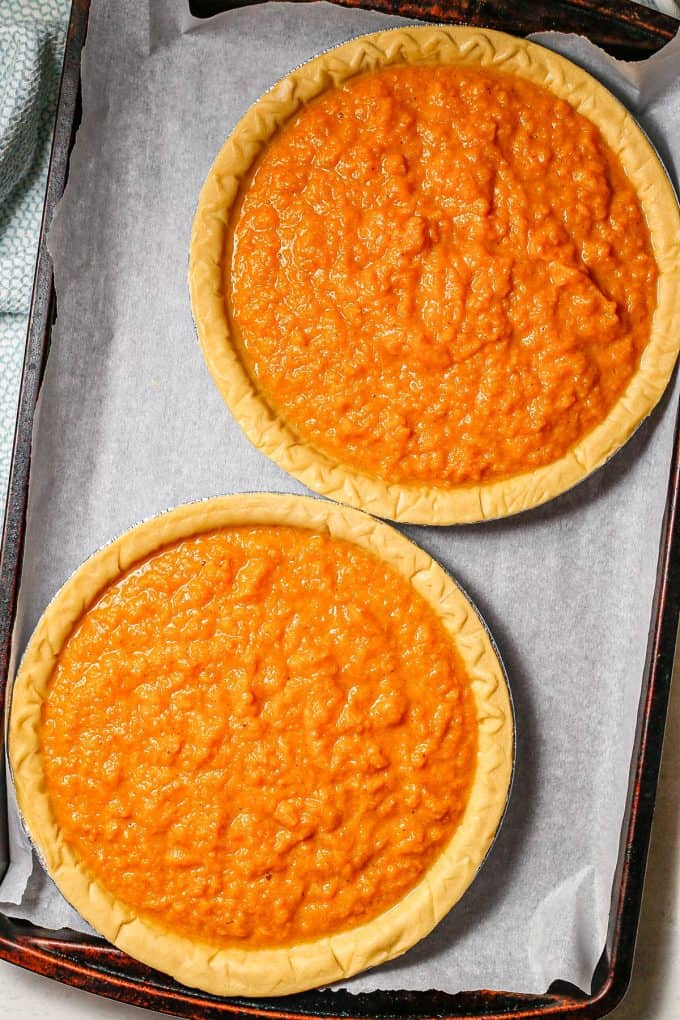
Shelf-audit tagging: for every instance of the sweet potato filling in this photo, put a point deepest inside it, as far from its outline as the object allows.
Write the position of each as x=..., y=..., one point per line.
x=440, y=275
x=259, y=736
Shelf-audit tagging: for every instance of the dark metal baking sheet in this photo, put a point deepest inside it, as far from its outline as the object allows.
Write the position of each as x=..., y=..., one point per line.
x=628, y=31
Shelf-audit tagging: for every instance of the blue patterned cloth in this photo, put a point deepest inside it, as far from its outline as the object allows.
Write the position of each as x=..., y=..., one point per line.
x=32, y=35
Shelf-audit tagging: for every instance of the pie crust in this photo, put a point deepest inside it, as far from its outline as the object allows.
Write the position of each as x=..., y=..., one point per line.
x=280, y=971
x=421, y=503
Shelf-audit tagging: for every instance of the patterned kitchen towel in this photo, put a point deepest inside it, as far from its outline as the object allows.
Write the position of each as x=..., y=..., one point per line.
x=32, y=35
x=21, y=47
x=30, y=52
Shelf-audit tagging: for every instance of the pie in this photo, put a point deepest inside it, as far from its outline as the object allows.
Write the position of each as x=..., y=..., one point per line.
x=435, y=274
x=261, y=743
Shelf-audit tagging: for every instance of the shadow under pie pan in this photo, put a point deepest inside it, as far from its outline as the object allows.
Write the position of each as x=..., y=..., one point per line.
x=227, y=767
x=322, y=202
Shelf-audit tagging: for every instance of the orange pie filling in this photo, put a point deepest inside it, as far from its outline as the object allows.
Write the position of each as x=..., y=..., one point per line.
x=259, y=736
x=440, y=275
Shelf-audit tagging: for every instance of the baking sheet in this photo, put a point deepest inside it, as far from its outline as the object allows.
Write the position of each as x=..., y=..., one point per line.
x=129, y=424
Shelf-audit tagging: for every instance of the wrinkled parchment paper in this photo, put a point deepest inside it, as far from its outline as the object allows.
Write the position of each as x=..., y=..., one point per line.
x=130, y=423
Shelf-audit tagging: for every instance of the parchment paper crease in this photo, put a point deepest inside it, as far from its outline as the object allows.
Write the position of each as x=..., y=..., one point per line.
x=130, y=424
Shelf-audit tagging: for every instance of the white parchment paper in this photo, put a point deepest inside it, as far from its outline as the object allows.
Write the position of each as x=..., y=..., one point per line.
x=129, y=424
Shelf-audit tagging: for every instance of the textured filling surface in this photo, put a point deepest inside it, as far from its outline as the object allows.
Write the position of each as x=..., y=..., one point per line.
x=259, y=736
x=440, y=275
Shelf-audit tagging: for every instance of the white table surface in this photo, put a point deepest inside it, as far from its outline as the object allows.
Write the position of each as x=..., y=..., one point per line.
x=654, y=992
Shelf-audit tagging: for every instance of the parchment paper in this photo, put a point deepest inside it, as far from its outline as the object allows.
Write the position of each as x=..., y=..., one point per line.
x=130, y=423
